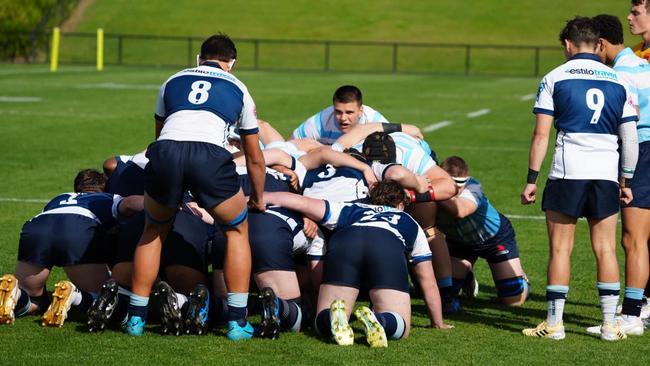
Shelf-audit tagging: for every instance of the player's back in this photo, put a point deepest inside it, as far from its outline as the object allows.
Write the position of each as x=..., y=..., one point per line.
x=341, y=184
x=100, y=206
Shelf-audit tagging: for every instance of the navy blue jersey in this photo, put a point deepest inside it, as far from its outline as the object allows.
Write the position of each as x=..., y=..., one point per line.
x=340, y=184
x=399, y=223
x=101, y=207
x=274, y=182
x=128, y=181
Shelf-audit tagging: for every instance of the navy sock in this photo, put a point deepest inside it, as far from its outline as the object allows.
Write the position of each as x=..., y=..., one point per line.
x=237, y=302
x=456, y=285
x=323, y=326
x=218, y=309
x=138, y=306
x=632, y=301
x=86, y=301
x=23, y=303
x=290, y=314
x=646, y=292
x=43, y=301
x=393, y=324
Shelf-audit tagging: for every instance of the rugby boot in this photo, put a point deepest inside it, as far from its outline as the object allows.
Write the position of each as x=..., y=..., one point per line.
x=450, y=305
x=8, y=298
x=375, y=333
x=196, y=320
x=470, y=286
x=630, y=325
x=237, y=332
x=341, y=330
x=270, y=327
x=134, y=326
x=612, y=332
x=544, y=330
x=57, y=313
x=101, y=311
x=171, y=319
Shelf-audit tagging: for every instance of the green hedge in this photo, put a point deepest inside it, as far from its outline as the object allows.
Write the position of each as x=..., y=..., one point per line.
x=20, y=19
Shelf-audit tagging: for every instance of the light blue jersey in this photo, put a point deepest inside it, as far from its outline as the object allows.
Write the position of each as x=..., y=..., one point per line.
x=411, y=153
x=476, y=228
x=635, y=71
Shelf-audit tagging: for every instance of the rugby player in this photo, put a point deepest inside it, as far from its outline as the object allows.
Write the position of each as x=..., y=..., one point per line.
x=69, y=233
x=369, y=247
x=591, y=109
x=194, y=109
x=639, y=22
x=473, y=228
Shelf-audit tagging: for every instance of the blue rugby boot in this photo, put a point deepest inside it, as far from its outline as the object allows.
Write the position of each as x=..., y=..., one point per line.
x=134, y=326
x=237, y=333
x=196, y=320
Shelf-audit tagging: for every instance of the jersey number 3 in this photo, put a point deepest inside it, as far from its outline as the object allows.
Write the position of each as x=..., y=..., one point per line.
x=595, y=102
x=199, y=93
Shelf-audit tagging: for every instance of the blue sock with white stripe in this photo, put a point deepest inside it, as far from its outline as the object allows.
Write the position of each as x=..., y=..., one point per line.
x=608, y=294
x=445, y=286
x=632, y=301
x=393, y=323
x=138, y=306
x=555, y=297
x=237, y=302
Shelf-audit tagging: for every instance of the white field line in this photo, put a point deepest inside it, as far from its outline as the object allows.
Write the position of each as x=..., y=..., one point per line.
x=23, y=200
x=527, y=97
x=4, y=98
x=15, y=112
x=525, y=217
x=480, y=112
x=436, y=126
x=118, y=86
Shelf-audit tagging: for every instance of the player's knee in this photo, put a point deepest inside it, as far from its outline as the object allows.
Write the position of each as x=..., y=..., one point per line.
x=512, y=291
x=236, y=222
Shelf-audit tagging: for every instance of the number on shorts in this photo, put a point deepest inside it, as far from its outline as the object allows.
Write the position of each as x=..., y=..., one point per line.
x=595, y=102
x=199, y=93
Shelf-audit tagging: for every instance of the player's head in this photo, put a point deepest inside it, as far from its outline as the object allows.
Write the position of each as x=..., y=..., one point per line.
x=611, y=36
x=348, y=106
x=457, y=169
x=89, y=180
x=220, y=48
x=356, y=154
x=388, y=193
x=379, y=146
x=639, y=17
x=579, y=35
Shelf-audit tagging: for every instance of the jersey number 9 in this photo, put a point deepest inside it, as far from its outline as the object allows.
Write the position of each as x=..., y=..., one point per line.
x=595, y=102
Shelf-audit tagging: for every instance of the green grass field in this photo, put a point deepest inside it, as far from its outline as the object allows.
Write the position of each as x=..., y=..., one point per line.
x=83, y=116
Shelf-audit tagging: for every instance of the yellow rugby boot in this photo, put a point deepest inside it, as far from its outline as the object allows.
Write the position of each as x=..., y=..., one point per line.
x=61, y=302
x=544, y=330
x=375, y=333
x=341, y=330
x=8, y=298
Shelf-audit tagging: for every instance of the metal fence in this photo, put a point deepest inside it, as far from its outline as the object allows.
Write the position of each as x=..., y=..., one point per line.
x=311, y=55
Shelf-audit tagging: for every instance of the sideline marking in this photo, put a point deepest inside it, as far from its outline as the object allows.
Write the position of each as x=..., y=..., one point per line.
x=527, y=97
x=23, y=200
x=118, y=86
x=4, y=98
x=480, y=112
x=525, y=217
x=436, y=126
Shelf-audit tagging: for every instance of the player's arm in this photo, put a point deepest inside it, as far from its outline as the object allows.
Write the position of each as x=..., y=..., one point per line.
x=538, y=147
x=629, y=145
x=271, y=157
x=358, y=133
x=159, y=123
x=160, y=114
x=268, y=134
x=130, y=205
x=459, y=207
x=406, y=178
x=256, y=169
x=325, y=155
x=443, y=185
x=314, y=209
x=427, y=280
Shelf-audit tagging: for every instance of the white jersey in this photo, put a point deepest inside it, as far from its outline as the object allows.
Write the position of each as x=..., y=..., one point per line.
x=199, y=104
x=588, y=102
x=324, y=128
x=635, y=71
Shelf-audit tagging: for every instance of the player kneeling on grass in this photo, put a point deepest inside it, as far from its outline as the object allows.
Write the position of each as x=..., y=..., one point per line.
x=473, y=229
x=370, y=242
x=69, y=233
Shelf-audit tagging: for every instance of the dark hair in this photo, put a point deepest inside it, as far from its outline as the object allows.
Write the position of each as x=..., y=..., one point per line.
x=580, y=30
x=642, y=2
x=219, y=47
x=347, y=94
x=610, y=28
x=387, y=193
x=455, y=166
x=379, y=146
x=356, y=154
x=89, y=180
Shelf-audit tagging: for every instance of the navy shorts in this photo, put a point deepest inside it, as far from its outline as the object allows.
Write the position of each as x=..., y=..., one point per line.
x=641, y=181
x=366, y=257
x=499, y=248
x=127, y=238
x=62, y=240
x=594, y=199
x=187, y=243
x=204, y=169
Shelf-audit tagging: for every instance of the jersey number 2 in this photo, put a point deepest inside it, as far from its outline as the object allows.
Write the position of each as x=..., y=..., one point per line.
x=199, y=93
x=595, y=102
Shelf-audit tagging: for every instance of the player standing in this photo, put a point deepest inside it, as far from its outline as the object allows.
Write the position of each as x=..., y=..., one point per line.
x=195, y=108
x=590, y=108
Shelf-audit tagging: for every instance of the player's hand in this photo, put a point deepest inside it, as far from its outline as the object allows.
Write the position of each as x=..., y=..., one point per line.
x=626, y=196
x=256, y=205
x=423, y=183
x=443, y=326
x=528, y=196
x=412, y=130
x=370, y=177
x=310, y=228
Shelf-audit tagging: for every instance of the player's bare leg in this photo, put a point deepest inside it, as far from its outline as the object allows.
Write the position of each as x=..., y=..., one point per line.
x=636, y=232
x=392, y=309
x=512, y=272
x=333, y=309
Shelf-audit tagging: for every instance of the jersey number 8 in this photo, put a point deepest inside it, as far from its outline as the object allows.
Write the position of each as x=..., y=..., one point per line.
x=199, y=93
x=595, y=102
